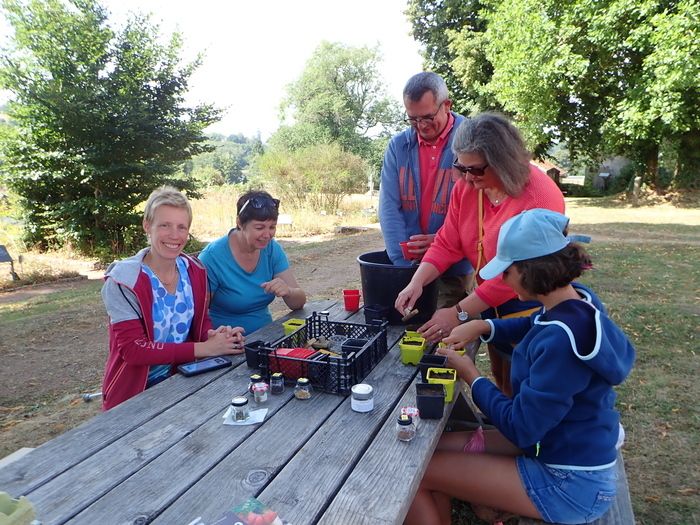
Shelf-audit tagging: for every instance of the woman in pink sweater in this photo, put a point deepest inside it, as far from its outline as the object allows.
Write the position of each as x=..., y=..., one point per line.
x=497, y=183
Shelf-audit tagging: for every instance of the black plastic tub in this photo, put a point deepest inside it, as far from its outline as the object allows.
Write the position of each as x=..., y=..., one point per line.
x=382, y=281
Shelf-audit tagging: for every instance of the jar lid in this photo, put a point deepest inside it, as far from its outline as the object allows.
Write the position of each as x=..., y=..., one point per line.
x=260, y=387
x=362, y=391
x=277, y=375
x=255, y=377
x=239, y=401
x=302, y=381
x=405, y=420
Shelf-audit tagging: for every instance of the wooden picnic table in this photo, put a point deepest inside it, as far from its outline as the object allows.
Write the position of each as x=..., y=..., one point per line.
x=165, y=457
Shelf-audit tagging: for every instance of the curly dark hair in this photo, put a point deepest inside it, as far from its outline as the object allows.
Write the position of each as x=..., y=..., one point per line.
x=545, y=274
x=257, y=206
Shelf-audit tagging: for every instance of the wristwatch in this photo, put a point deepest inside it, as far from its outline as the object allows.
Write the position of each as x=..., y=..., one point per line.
x=461, y=314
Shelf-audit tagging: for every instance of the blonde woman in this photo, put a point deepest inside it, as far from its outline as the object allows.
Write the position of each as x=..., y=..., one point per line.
x=157, y=303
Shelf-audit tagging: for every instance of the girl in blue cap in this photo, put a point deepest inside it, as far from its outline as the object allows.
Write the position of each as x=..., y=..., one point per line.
x=552, y=454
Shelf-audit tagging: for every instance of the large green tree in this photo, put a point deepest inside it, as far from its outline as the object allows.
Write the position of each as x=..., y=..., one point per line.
x=465, y=68
x=339, y=98
x=101, y=121
x=604, y=76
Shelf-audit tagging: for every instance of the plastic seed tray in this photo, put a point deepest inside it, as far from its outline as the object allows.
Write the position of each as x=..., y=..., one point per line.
x=357, y=350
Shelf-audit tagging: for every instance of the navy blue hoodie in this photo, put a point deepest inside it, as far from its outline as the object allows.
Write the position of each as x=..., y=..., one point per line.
x=563, y=371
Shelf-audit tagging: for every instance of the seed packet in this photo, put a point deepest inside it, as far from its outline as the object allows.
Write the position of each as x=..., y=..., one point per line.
x=250, y=512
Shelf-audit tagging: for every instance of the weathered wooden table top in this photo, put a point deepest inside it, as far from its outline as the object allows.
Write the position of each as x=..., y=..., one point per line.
x=165, y=457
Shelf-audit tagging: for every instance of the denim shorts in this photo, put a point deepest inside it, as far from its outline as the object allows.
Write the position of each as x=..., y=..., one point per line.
x=568, y=496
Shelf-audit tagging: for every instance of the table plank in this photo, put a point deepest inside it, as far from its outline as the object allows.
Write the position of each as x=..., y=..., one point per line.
x=60, y=454
x=251, y=466
x=156, y=486
x=392, y=468
x=300, y=493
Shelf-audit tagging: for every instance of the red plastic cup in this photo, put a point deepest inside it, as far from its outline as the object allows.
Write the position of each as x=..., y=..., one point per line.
x=351, y=299
x=405, y=249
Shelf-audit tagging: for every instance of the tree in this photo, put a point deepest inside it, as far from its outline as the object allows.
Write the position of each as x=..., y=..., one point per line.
x=464, y=66
x=604, y=76
x=339, y=98
x=101, y=121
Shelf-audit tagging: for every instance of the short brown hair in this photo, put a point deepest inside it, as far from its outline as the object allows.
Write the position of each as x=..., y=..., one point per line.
x=545, y=274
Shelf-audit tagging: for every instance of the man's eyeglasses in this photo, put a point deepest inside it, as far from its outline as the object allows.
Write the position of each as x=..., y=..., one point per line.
x=260, y=202
x=477, y=172
x=413, y=121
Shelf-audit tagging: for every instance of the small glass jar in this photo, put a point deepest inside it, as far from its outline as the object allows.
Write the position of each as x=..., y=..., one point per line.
x=239, y=408
x=405, y=428
x=254, y=378
x=277, y=383
x=362, y=399
x=302, y=390
x=260, y=392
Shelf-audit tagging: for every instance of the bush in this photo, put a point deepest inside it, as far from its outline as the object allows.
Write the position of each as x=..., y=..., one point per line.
x=317, y=176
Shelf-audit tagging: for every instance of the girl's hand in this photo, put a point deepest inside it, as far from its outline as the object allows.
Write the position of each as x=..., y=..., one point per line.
x=465, y=367
x=464, y=334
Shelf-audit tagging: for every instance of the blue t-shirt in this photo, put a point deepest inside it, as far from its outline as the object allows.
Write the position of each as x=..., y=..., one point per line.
x=237, y=297
x=172, y=315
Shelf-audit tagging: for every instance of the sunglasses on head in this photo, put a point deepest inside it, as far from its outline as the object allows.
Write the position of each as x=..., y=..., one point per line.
x=477, y=172
x=260, y=202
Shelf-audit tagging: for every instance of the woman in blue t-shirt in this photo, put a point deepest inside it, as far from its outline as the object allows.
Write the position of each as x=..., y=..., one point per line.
x=247, y=268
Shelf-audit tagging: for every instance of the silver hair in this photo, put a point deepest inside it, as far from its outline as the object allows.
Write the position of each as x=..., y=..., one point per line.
x=166, y=196
x=419, y=84
x=499, y=141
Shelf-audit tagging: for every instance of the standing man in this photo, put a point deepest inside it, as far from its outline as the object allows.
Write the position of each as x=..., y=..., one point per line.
x=417, y=181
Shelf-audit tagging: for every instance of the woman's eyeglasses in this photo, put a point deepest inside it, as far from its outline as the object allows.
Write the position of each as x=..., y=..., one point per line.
x=477, y=172
x=260, y=202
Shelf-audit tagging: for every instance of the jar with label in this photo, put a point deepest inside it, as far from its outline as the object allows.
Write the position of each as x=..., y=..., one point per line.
x=239, y=408
x=362, y=399
x=277, y=383
x=254, y=378
x=302, y=390
x=405, y=428
x=260, y=392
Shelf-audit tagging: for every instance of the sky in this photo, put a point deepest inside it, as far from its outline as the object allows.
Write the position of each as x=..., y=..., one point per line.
x=254, y=49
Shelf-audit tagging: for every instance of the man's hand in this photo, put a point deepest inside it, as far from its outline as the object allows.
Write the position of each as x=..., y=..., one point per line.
x=419, y=244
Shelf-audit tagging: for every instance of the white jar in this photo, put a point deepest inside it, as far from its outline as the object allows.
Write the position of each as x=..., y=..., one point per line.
x=362, y=399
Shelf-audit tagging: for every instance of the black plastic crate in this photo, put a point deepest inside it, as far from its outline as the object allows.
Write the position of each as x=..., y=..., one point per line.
x=334, y=374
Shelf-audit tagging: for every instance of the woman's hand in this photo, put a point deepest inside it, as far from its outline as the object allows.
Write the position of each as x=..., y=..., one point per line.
x=276, y=286
x=222, y=341
x=408, y=297
x=440, y=324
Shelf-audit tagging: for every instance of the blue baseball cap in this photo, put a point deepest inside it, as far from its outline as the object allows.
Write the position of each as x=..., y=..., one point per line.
x=532, y=233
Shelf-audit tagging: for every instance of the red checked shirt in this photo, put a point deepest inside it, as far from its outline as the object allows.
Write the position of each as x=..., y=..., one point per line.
x=429, y=154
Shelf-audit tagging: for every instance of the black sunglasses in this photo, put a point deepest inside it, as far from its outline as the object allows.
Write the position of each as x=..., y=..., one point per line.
x=260, y=202
x=477, y=172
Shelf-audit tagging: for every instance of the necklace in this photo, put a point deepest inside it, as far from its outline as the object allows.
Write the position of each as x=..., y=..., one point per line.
x=497, y=200
x=169, y=281
x=174, y=273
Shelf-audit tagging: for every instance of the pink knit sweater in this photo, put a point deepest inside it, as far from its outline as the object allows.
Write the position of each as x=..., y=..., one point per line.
x=459, y=235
